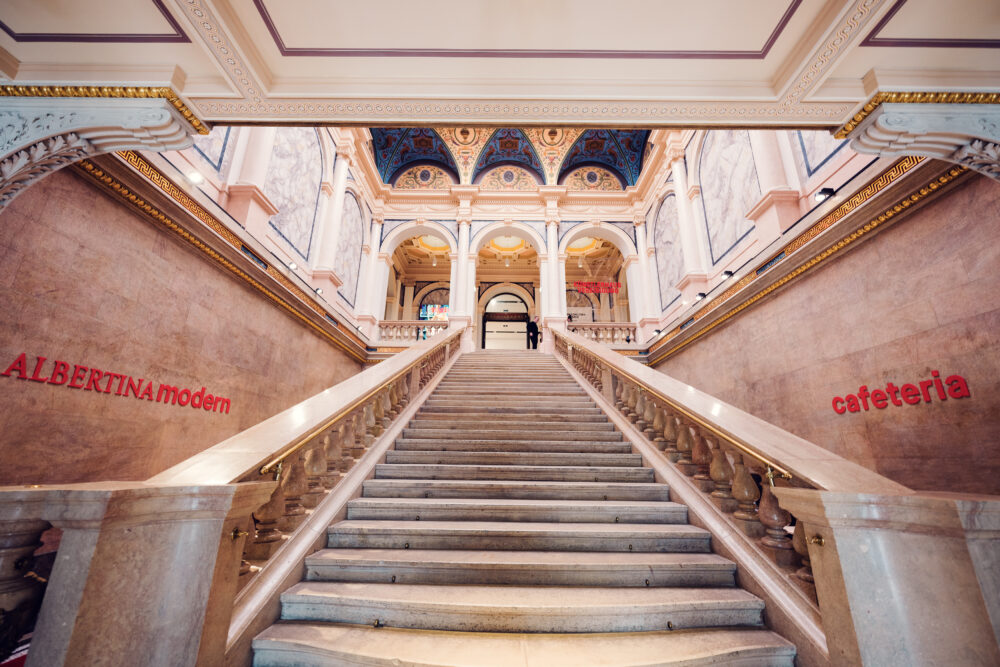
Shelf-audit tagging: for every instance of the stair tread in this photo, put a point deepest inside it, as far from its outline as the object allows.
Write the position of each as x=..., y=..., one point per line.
x=609, y=489
x=487, y=503
x=314, y=644
x=583, y=560
x=618, y=530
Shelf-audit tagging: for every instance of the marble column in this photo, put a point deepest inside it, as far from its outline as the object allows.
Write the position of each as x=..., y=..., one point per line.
x=902, y=579
x=144, y=575
x=246, y=200
x=370, y=273
x=779, y=207
x=328, y=231
x=408, y=313
x=650, y=310
x=460, y=299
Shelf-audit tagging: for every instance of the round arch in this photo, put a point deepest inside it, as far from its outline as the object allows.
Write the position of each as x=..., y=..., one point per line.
x=427, y=289
x=417, y=228
x=518, y=229
x=600, y=230
x=496, y=290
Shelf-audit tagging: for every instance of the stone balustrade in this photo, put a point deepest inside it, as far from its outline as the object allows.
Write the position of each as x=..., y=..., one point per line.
x=270, y=479
x=409, y=331
x=608, y=333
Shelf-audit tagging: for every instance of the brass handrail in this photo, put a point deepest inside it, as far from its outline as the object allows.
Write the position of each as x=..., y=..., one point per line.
x=275, y=463
x=695, y=418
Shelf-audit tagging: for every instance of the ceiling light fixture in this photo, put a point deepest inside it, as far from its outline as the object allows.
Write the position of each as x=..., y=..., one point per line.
x=699, y=296
x=293, y=266
x=434, y=260
x=823, y=194
x=579, y=261
x=506, y=261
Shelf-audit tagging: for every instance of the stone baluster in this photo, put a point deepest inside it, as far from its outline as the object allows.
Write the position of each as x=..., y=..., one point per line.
x=295, y=484
x=626, y=396
x=619, y=392
x=633, y=400
x=670, y=436
x=805, y=572
x=372, y=428
x=684, y=444
x=721, y=473
x=267, y=519
x=314, y=462
x=746, y=493
x=649, y=417
x=701, y=456
x=20, y=595
x=333, y=445
x=598, y=375
x=776, y=540
x=659, y=425
x=382, y=402
x=639, y=410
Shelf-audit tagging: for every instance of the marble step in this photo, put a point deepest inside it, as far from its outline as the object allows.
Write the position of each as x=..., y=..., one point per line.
x=482, y=416
x=535, y=402
x=481, y=509
x=496, y=425
x=565, y=383
x=429, y=488
x=514, y=459
x=520, y=568
x=520, y=608
x=506, y=536
x=463, y=409
x=508, y=434
x=540, y=445
x=512, y=392
x=514, y=473
x=323, y=645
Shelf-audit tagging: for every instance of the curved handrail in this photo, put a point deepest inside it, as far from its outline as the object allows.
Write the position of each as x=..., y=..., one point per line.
x=263, y=446
x=771, y=445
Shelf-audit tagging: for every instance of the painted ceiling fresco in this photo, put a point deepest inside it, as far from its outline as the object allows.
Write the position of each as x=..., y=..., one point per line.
x=548, y=154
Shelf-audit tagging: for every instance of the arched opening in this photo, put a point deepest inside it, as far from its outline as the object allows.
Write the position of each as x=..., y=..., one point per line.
x=595, y=281
x=419, y=274
x=505, y=323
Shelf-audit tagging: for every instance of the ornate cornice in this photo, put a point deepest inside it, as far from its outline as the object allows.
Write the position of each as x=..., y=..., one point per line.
x=122, y=92
x=890, y=176
x=879, y=99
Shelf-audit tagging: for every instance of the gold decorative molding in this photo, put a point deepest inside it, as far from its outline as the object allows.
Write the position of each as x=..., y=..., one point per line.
x=129, y=92
x=913, y=98
x=899, y=168
x=117, y=188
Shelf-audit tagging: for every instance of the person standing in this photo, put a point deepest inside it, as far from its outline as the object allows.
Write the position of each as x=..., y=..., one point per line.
x=533, y=333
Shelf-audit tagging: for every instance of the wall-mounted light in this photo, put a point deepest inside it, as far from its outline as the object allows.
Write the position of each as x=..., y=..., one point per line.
x=727, y=274
x=293, y=266
x=195, y=177
x=579, y=262
x=319, y=290
x=434, y=260
x=823, y=194
x=506, y=261
x=699, y=296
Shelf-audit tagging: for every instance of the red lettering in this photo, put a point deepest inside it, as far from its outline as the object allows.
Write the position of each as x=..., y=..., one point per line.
x=184, y=397
x=147, y=393
x=79, y=372
x=925, y=389
x=60, y=371
x=222, y=404
x=95, y=377
x=133, y=387
x=111, y=378
x=863, y=396
x=198, y=396
x=20, y=365
x=878, y=399
x=38, y=369
x=207, y=403
x=893, y=393
x=940, y=387
x=166, y=394
x=838, y=405
x=910, y=393
x=852, y=403
x=957, y=386
x=121, y=382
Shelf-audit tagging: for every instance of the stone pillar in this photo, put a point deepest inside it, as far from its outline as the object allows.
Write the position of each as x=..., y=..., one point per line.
x=372, y=279
x=43, y=134
x=246, y=199
x=144, y=575
x=453, y=289
x=902, y=579
x=650, y=307
x=328, y=231
x=633, y=273
x=605, y=313
x=694, y=249
x=460, y=287
x=779, y=207
x=408, y=313
x=555, y=287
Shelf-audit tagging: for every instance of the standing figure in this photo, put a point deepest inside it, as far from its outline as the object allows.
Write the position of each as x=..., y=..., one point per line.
x=533, y=333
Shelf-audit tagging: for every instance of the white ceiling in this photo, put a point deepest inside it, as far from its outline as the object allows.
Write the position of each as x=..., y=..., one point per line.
x=622, y=63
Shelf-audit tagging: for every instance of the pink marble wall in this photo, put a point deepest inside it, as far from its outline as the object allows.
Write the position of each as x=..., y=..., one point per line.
x=85, y=280
x=923, y=295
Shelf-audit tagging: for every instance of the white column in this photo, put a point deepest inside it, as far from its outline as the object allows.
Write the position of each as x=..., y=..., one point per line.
x=373, y=279
x=649, y=279
x=460, y=299
x=633, y=273
x=543, y=286
x=408, y=313
x=561, y=285
x=453, y=288
x=329, y=228
x=556, y=281
x=693, y=242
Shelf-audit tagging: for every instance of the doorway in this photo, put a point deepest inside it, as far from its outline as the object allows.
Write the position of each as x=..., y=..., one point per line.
x=505, y=323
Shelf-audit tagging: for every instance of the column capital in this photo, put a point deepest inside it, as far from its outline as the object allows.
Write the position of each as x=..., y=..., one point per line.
x=552, y=221
x=638, y=219
x=348, y=151
x=674, y=152
x=467, y=221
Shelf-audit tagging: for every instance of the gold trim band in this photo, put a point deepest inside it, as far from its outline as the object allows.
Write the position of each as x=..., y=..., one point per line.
x=110, y=183
x=913, y=98
x=869, y=226
x=133, y=92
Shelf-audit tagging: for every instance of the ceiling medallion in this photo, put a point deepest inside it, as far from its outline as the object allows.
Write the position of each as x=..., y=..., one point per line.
x=465, y=136
x=552, y=136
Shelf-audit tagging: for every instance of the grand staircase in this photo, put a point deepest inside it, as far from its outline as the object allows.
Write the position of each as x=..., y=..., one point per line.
x=512, y=525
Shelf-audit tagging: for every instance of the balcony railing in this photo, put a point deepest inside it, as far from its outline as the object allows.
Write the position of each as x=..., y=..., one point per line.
x=613, y=334
x=408, y=332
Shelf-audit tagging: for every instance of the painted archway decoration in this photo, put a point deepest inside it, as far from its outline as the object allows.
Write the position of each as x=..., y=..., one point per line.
x=593, y=179
x=619, y=151
x=509, y=146
x=413, y=228
x=508, y=177
x=397, y=149
x=424, y=177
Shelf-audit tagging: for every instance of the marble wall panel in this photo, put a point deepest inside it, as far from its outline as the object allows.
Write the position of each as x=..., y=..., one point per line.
x=667, y=245
x=812, y=148
x=729, y=188
x=85, y=280
x=352, y=235
x=294, y=173
x=923, y=295
x=213, y=148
